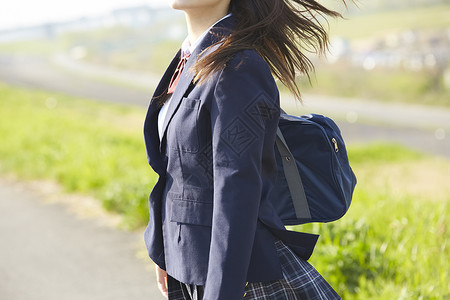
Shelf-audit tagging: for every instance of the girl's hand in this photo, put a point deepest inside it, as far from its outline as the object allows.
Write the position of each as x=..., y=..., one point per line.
x=161, y=278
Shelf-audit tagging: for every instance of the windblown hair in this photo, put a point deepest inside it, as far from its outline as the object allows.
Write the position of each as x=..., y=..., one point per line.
x=281, y=31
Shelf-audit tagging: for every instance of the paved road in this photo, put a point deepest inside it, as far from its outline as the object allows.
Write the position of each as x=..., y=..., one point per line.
x=419, y=127
x=41, y=73
x=47, y=253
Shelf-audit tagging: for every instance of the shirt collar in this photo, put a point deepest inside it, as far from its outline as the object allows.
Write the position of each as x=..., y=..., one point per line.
x=187, y=48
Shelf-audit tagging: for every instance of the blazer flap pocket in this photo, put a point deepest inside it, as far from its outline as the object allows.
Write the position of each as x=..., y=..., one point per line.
x=190, y=103
x=191, y=212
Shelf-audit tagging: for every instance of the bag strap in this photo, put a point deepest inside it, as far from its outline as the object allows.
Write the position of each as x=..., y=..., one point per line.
x=293, y=178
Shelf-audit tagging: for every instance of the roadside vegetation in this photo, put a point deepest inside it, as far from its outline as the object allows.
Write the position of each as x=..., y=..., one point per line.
x=364, y=21
x=392, y=244
x=421, y=87
x=394, y=241
x=87, y=147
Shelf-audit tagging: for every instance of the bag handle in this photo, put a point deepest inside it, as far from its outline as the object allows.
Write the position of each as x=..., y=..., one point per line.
x=293, y=178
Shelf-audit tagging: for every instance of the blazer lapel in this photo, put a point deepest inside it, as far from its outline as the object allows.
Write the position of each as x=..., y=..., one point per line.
x=151, y=137
x=215, y=34
x=186, y=78
x=163, y=84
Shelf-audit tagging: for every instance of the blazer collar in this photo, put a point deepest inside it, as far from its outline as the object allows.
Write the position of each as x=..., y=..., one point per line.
x=215, y=34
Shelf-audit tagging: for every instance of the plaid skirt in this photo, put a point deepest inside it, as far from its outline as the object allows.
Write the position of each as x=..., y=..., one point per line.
x=301, y=281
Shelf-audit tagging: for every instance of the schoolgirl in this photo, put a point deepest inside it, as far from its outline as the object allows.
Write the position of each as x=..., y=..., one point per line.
x=210, y=132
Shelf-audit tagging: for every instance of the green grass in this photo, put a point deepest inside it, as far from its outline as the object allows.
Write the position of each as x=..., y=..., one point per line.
x=87, y=147
x=394, y=241
x=392, y=244
x=380, y=23
x=419, y=87
x=31, y=47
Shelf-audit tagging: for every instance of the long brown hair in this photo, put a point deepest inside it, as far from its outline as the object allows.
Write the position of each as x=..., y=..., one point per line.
x=281, y=31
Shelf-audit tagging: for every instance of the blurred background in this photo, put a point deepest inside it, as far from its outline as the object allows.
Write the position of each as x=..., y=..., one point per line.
x=75, y=80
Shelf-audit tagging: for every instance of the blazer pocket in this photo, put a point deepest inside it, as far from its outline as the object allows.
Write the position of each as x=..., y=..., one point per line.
x=183, y=132
x=190, y=211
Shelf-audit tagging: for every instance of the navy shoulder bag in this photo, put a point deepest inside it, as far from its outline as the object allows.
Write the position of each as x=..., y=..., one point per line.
x=315, y=182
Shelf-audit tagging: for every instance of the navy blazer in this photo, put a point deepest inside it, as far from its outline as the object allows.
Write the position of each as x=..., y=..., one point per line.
x=211, y=222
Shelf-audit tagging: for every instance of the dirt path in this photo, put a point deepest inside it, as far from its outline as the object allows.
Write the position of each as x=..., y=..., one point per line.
x=49, y=253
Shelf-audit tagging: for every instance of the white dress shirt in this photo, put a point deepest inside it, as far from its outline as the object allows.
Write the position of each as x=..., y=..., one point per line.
x=186, y=47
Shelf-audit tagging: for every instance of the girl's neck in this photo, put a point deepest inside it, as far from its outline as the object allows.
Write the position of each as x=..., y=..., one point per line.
x=200, y=20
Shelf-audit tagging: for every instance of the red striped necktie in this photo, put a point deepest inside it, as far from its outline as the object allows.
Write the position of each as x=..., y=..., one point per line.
x=176, y=75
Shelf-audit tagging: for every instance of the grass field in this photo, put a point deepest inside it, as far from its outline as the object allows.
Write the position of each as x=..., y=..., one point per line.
x=379, y=23
x=394, y=241
x=87, y=147
x=420, y=87
x=392, y=244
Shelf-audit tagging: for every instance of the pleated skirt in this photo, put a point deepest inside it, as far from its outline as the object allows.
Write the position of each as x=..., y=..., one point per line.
x=301, y=281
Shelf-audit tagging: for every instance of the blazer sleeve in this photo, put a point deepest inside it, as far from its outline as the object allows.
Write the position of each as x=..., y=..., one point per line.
x=244, y=116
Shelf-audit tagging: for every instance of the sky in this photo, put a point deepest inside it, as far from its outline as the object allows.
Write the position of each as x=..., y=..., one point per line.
x=17, y=13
